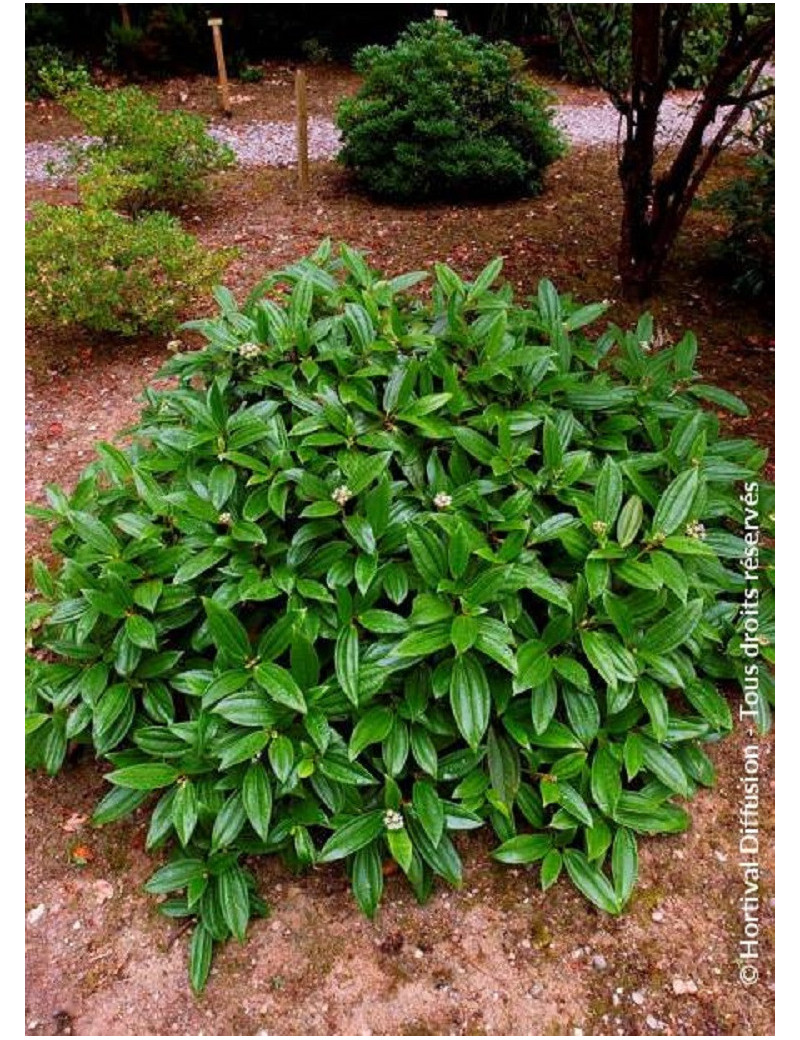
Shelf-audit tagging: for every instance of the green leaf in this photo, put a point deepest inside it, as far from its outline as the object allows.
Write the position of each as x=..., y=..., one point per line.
x=606, y=783
x=280, y=686
x=428, y=555
x=590, y=881
x=702, y=695
x=608, y=492
x=141, y=632
x=463, y=632
x=201, y=949
x=470, y=698
x=198, y=563
x=720, y=397
x=371, y=728
x=148, y=776
x=234, y=899
x=95, y=533
x=257, y=799
x=184, y=811
x=524, y=848
x=228, y=633
x=351, y=836
x=674, y=505
x=401, y=848
x=624, y=864
x=673, y=630
x=652, y=697
x=346, y=658
x=429, y=809
x=551, y=868
x=367, y=879
x=281, y=757
x=360, y=530
x=665, y=767
x=175, y=876
x=629, y=521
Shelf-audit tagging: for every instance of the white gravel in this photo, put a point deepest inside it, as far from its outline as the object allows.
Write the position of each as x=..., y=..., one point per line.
x=273, y=143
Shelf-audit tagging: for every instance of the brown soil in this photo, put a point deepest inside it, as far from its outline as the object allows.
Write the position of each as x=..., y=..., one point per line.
x=497, y=957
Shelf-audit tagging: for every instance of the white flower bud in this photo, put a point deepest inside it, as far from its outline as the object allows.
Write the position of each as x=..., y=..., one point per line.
x=393, y=821
x=225, y=519
x=442, y=500
x=249, y=350
x=341, y=495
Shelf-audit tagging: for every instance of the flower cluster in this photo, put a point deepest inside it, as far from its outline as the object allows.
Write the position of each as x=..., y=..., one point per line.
x=249, y=351
x=442, y=500
x=696, y=530
x=341, y=495
x=392, y=820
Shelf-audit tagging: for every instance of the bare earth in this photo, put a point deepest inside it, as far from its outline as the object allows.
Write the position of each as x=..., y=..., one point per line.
x=497, y=957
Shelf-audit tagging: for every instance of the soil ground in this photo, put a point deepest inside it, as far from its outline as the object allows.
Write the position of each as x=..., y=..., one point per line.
x=497, y=957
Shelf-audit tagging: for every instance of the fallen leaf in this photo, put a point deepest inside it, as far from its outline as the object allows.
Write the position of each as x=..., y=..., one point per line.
x=74, y=823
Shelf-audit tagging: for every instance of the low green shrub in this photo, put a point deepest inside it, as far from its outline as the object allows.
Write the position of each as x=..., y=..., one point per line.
x=442, y=115
x=376, y=570
x=108, y=273
x=143, y=159
x=50, y=72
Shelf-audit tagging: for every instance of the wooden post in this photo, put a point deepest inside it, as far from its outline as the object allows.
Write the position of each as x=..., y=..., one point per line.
x=125, y=15
x=440, y=14
x=302, y=129
x=224, y=93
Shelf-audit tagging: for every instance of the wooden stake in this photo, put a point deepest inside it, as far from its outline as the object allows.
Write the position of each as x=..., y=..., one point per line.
x=222, y=72
x=125, y=15
x=302, y=129
x=440, y=14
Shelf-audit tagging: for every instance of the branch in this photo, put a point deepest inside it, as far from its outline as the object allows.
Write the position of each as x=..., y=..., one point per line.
x=620, y=103
x=747, y=99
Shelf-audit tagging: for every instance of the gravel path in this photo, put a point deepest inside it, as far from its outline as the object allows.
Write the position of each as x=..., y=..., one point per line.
x=273, y=144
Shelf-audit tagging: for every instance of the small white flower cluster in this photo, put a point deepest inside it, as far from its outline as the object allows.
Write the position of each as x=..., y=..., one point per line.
x=174, y=346
x=249, y=350
x=225, y=519
x=696, y=530
x=442, y=500
x=600, y=527
x=393, y=821
x=341, y=495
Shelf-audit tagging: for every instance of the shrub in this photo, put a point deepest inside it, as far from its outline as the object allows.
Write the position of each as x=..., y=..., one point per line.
x=108, y=273
x=747, y=254
x=378, y=570
x=144, y=158
x=50, y=72
x=606, y=31
x=443, y=115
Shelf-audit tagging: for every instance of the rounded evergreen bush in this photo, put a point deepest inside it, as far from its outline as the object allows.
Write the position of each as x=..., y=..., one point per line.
x=442, y=115
x=375, y=570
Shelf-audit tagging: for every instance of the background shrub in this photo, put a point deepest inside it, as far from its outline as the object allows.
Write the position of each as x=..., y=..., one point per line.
x=50, y=72
x=443, y=115
x=606, y=30
x=747, y=255
x=108, y=273
x=144, y=158
x=376, y=570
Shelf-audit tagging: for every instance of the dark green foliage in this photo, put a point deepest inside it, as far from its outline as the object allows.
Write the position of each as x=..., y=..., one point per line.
x=145, y=159
x=49, y=72
x=747, y=255
x=606, y=31
x=375, y=570
x=441, y=115
x=107, y=273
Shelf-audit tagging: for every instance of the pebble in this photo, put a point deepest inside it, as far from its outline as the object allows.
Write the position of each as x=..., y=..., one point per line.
x=681, y=986
x=274, y=143
x=653, y=1022
x=35, y=915
x=637, y=997
x=599, y=962
x=418, y=954
x=657, y=915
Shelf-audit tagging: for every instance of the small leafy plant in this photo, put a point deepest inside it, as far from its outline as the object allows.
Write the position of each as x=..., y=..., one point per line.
x=143, y=158
x=376, y=569
x=443, y=115
x=108, y=273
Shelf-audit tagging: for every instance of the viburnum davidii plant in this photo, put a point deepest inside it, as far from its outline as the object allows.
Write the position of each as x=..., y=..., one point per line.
x=376, y=569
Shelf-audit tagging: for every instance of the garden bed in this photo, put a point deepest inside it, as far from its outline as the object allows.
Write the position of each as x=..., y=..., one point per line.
x=496, y=957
